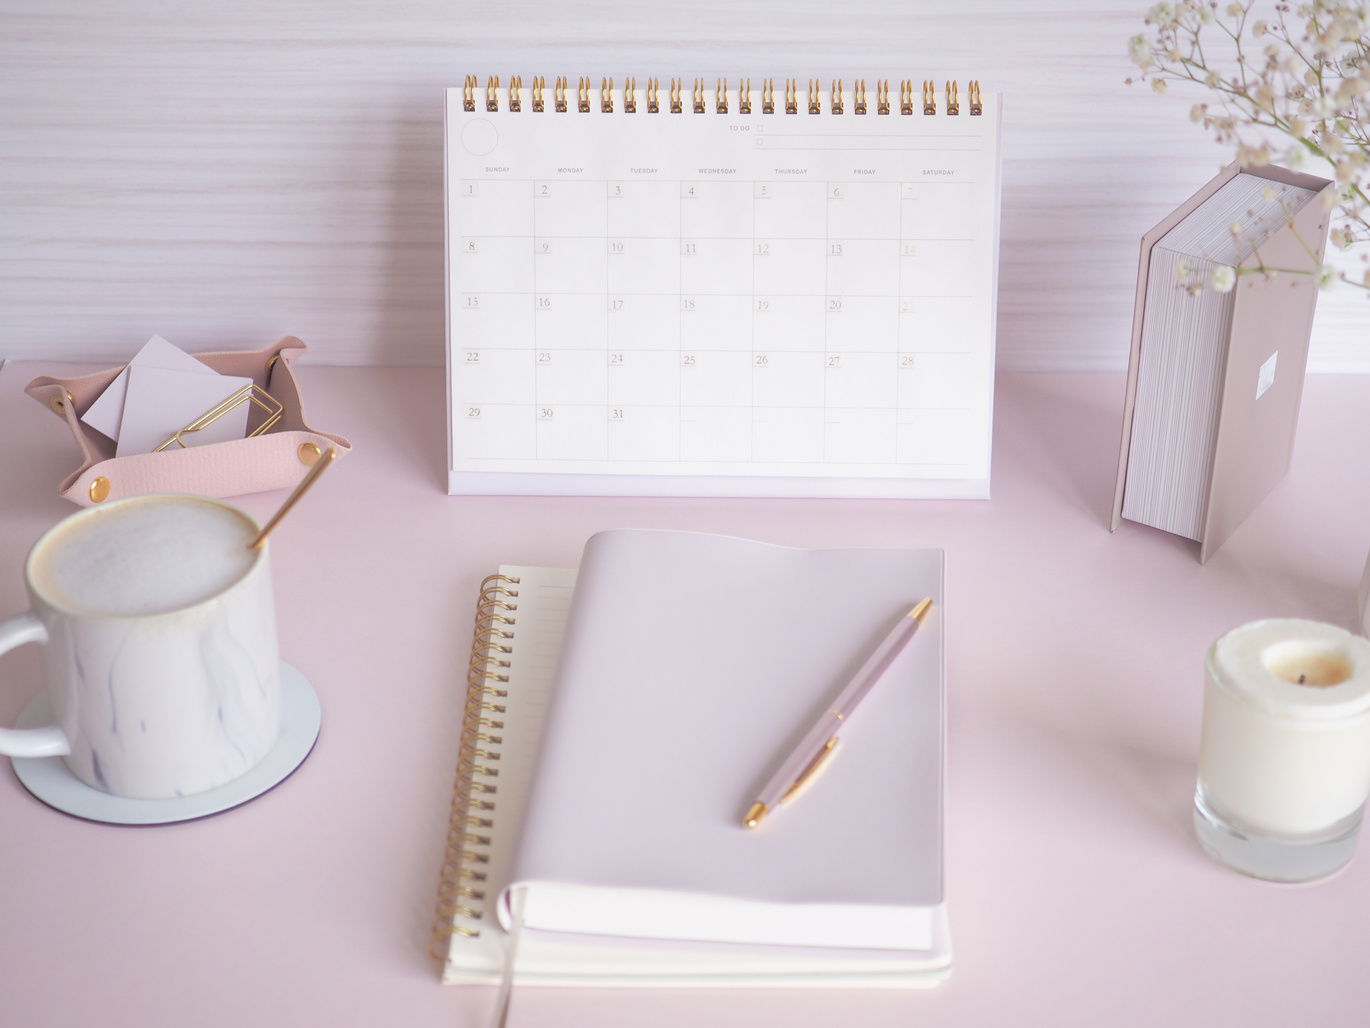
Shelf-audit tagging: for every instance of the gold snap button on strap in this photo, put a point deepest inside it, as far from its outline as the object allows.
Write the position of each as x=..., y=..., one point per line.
x=59, y=403
x=309, y=454
x=99, y=490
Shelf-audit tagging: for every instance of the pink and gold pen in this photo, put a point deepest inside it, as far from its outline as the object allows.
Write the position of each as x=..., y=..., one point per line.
x=822, y=739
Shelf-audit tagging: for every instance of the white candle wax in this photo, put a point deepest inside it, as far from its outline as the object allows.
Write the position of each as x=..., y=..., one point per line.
x=1286, y=726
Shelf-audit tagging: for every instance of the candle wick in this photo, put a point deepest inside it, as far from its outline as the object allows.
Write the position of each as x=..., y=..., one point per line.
x=1302, y=679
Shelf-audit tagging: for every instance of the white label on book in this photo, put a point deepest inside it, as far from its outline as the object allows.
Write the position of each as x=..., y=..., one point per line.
x=1266, y=378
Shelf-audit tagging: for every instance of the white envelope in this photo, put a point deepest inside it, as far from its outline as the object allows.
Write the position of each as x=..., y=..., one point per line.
x=162, y=401
x=107, y=411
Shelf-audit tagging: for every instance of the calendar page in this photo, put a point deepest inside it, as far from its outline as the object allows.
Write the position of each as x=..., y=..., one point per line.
x=709, y=303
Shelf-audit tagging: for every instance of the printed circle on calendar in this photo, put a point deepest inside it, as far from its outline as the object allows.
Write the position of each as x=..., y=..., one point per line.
x=479, y=137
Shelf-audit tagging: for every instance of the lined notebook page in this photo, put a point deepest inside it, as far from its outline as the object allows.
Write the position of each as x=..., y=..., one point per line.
x=711, y=303
x=544, y=597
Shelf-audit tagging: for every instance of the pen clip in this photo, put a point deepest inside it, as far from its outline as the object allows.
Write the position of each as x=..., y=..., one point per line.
x=814, y=766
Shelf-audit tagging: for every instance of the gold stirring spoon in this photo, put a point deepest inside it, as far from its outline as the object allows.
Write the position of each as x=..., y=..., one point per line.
x=325, y=459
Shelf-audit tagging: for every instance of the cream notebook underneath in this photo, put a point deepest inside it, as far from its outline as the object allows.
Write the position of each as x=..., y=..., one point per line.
x=617, y=803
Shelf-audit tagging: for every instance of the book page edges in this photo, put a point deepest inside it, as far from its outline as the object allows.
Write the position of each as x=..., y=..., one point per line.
x=560, y=959
x=700, y=917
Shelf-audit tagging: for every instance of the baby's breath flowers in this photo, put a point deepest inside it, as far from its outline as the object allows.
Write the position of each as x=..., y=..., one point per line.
x=1222, y=279
x=1294, y=88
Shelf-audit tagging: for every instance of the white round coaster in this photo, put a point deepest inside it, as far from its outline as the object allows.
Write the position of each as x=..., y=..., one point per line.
x=49, y=779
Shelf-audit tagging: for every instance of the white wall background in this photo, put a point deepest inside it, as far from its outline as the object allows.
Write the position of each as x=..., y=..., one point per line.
x=223, y=174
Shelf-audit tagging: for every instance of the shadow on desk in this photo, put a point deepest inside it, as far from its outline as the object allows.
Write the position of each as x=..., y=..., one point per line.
x=1070, y=437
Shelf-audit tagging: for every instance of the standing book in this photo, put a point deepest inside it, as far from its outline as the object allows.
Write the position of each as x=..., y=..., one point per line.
x=618, y=722
x=1215, y=378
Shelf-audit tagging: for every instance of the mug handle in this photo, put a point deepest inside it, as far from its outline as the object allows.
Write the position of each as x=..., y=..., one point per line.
x=50, y=740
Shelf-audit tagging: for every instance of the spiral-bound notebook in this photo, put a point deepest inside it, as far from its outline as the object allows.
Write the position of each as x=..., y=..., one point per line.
x=755, y=287
x=672, y=698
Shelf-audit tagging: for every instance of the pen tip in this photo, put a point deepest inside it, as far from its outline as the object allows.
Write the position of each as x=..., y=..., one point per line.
x=921, y=610
x=755, y=815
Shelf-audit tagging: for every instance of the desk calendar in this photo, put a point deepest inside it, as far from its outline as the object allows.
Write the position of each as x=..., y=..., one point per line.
x=764, y=291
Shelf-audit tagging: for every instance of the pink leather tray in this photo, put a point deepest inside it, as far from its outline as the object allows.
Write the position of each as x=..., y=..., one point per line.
x=273, y=460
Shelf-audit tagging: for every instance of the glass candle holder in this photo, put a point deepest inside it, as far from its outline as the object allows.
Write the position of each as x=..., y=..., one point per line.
x=1284, y=762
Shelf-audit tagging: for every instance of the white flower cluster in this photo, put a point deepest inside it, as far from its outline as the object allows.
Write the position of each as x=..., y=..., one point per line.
x=1291, y=87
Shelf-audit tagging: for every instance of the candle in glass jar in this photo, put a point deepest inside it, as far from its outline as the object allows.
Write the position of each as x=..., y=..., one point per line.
x=1285, y=752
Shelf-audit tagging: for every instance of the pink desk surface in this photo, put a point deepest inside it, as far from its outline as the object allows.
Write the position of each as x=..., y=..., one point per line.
x=1077, y=894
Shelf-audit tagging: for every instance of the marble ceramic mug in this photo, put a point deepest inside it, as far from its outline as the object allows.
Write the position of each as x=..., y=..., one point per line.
x=160, y=656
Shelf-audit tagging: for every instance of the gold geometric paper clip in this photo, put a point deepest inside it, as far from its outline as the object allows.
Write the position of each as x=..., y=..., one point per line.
x=252, y=393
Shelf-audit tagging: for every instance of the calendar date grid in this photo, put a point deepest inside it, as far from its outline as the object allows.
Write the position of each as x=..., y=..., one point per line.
x=559, y=270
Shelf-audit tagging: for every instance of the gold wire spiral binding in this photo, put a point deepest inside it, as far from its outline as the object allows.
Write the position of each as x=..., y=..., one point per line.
x=561, y=85
x=459, y=903
x=489, y=636
x=498, y=590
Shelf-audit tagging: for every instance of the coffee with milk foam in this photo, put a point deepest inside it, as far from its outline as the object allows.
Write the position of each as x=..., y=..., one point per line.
x=151, y=556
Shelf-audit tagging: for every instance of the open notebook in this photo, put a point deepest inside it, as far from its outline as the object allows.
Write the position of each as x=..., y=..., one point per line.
x=636, y=866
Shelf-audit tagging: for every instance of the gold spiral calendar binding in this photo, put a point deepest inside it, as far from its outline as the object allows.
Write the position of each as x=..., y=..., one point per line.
x=837, y=105
x=461, y=885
